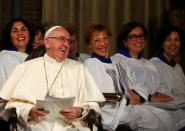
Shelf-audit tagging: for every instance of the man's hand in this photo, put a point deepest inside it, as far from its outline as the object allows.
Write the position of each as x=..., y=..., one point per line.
x=160, y=97
x=71, y=113
x=37, y=113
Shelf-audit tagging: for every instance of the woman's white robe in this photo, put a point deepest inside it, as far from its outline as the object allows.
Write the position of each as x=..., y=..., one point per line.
x=172, y=82
x=8, y=61
x=138, y=117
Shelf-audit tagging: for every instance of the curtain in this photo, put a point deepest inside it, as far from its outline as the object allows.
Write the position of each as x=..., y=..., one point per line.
x=112, y=13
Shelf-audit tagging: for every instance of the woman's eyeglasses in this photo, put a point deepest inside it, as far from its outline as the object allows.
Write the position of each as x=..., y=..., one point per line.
x=134, y=37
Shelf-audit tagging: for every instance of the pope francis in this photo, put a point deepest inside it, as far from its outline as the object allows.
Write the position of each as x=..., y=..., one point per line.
x=52, y=75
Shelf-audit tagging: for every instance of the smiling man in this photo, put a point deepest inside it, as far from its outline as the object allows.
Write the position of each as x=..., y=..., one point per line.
x=52, y=75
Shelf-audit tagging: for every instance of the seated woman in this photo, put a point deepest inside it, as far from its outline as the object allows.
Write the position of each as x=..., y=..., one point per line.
x=17, y=41
x=141, y=73
x=105, y=73
x=170, y=41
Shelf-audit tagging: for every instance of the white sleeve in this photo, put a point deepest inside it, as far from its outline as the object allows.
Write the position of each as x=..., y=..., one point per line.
x=22, y=109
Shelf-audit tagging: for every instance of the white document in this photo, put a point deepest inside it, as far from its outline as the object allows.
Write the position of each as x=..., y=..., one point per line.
x=172, y=105
x=55, y=105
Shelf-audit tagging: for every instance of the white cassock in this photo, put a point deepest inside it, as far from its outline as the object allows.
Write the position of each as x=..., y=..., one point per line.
x=8, y=61
x=28, y=82
x=172, y=83
x=138, y=117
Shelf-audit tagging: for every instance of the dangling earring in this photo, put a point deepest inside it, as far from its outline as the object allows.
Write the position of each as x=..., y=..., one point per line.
x=90, y=51
x=125, y=45
x=47, y=47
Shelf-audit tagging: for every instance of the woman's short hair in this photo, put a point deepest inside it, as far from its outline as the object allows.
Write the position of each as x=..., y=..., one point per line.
x=95, y=27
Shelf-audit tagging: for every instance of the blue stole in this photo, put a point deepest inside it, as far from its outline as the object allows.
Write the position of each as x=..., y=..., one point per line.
x=127, y=54
x=101, y=58
x=161, y=56
x=12, y=49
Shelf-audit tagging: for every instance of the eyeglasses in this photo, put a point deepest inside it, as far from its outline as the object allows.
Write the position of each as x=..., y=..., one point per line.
x=135, y=37
x=61, y=39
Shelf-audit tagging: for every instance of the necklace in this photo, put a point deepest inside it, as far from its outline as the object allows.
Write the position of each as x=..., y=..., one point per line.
x=49, y=88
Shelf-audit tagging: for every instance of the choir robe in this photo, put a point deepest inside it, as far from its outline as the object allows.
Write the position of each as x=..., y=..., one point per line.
x=138, y=117
x=28, y=82
x=172, y=82
x=143, y=77
x=8, y=61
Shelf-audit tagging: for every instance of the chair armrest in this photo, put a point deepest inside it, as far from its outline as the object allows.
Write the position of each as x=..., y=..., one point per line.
x=2, y=104
x=3, y=100
x=116, y=97
x=93, y=118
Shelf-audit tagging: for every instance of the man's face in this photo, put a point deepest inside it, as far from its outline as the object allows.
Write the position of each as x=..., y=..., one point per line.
x=57, y=44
